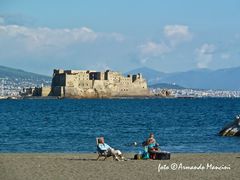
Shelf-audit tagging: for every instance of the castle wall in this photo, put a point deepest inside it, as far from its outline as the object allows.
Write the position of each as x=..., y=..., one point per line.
x=92, y=84
x=71, y=80
x=45, y=91
x=42, y=91
x=59, y=80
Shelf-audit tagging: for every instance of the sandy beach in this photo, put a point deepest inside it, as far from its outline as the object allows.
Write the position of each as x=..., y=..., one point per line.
x=23, y=166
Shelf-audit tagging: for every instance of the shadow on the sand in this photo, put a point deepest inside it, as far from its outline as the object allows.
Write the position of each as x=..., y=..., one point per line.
x=84, y=159
x=81, y=159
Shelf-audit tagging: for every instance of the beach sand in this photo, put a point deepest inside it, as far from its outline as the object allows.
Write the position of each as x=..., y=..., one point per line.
x=84, y=166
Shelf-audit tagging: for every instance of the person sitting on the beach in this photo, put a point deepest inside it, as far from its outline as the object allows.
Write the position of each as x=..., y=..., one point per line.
x=152, y=148
x=152, y=145
x=151, y=139
x=109, y=150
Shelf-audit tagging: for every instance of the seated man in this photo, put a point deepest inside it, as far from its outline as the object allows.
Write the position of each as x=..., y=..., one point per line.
x=105, y=148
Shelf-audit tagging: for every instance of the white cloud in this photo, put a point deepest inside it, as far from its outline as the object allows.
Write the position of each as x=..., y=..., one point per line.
x=174, y=35
x=153, y=49
x=34, y=38
x=43, y=48
x=205, y=55
x=177, y=34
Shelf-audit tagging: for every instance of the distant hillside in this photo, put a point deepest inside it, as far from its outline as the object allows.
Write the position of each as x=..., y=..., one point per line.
x=151, y=75
x=16, y=79
x=166, y=86
x=224, y=79
x=12, y=73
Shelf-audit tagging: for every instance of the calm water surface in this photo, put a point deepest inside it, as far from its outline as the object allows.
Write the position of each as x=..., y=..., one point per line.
x=180, y=125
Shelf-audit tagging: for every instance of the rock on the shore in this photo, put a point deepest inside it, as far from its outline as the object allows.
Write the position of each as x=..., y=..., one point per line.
x=232, y=129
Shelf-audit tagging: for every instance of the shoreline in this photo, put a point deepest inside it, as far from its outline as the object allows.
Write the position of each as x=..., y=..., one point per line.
x=84, y=166
x=106, y=98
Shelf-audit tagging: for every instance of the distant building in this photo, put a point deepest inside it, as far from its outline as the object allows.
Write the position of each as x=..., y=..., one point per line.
x=93, y=84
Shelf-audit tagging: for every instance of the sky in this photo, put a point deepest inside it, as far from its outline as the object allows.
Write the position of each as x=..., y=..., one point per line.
x=168, y=36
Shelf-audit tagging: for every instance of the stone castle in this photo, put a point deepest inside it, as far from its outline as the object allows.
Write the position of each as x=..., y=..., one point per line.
x=93, y=84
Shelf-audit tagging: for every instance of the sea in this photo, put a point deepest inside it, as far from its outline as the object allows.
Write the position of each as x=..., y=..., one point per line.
x=72, y=125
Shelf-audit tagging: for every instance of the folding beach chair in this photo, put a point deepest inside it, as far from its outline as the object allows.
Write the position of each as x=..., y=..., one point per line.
x=102, y=153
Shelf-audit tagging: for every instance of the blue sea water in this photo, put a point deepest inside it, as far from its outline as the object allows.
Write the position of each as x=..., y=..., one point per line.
x=68, y=125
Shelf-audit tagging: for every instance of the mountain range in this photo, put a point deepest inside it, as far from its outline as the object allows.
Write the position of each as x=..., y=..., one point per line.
x=222, y=79
x=165, y=86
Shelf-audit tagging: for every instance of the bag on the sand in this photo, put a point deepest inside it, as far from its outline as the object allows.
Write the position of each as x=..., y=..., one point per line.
x=137, y=156
x=163, y=155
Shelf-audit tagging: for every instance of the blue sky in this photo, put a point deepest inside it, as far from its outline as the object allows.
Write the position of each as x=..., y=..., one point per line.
x=168, y=36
